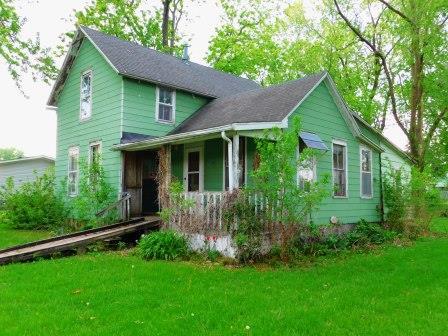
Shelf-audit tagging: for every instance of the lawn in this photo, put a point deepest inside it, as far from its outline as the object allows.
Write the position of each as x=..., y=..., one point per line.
x=392, y=291
x=10, y=237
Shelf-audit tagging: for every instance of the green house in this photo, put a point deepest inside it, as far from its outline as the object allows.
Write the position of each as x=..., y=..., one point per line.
x=127, y=101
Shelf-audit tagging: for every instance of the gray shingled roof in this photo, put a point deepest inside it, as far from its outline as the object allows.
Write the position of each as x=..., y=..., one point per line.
x=271, y=104
x=133, y=60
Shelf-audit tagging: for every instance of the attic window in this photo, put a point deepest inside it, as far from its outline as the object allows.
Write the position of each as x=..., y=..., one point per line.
x=165, y=104
x=85, y=109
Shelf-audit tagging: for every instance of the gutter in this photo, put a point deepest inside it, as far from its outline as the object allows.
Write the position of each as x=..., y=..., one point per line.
x=230, y=158
x=144, y=144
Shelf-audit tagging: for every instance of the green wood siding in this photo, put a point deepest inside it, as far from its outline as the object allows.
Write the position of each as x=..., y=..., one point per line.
x=103, y=125
x=177, y=162
x=319, y=114
x=213, y=164
x=139, y=104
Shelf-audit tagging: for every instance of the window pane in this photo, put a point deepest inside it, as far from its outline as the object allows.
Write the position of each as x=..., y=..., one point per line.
x=193, y=181
x=365, y=163
x=366, y=184
x=193, y=161
x=94, y=153
x=338, y=156
x=165, y=112
x=86, y=99
x=339, y=183
x=165, y=96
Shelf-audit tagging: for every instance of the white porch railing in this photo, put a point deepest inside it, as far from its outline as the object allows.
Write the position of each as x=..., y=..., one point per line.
x=205, y=211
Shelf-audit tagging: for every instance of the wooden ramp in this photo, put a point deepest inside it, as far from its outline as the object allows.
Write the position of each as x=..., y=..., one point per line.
x=48, y=247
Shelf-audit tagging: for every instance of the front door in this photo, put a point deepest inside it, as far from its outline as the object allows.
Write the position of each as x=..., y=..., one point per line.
x=193, y=170
x=150, y=199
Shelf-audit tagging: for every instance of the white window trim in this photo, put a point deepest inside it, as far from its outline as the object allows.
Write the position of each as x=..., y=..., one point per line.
x=173, y=114
x=100, y=149
x=199, y=149
x=342, y=143
x=73, y=151
x=314, y=167
x=80, y=95
x=361, y=148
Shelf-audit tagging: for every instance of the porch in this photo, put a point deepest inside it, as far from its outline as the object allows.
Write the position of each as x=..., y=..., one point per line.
x=201, y=165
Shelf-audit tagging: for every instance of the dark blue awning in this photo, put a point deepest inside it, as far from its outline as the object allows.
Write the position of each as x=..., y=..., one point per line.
x=312, y=140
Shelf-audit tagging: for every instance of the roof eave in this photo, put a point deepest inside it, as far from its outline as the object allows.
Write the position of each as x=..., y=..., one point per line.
x=151, y=143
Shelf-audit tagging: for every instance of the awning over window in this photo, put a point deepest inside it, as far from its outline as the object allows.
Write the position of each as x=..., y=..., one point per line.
x=312, y=140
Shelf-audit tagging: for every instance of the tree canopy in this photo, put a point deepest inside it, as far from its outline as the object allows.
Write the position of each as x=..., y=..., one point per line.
x=10, y=154
x=22, y=55
x=388, y=58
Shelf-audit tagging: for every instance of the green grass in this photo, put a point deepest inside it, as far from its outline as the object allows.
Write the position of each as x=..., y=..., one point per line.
x=440, y=225
x=10, y=237
x=395, y=291
x=391, y=291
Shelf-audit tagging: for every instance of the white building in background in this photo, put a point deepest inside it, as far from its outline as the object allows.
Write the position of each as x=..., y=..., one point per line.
x=24, y=169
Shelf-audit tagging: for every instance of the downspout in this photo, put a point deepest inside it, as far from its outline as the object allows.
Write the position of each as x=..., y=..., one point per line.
x=230, y=158
x=381, y=190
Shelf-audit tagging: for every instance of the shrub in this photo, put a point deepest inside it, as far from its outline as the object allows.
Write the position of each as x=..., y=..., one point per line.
x=34, y=205
x=411, y=200
x=164, y=245
x=287, y=205
x=95, y=194
x=316, y=242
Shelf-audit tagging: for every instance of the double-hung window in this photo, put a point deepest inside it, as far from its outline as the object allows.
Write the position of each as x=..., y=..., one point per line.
x=366, y=172
x=165, y=104
x=95, y=152
x=85, y=110
x=339, y=169
x=73, y=171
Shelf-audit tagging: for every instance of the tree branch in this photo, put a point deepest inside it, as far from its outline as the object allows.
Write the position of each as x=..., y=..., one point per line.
x=382, y=57
x=434, y=126
x=396, y=11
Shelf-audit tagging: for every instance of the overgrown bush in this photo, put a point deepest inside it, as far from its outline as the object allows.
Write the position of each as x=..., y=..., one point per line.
x=322, y=241
x=411, y=200
x=163, y=245
x=177, y=202
x=94, y=194
x=34, y=205
x=286, y=205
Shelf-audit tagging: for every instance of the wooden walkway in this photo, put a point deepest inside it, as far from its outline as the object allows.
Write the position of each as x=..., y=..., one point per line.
x=48, y=247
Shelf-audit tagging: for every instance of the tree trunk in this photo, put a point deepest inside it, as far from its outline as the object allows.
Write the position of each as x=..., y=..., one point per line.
x=165, y=21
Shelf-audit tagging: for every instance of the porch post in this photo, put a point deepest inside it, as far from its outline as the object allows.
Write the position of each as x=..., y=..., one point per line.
x=168, y=163
x=236, y=158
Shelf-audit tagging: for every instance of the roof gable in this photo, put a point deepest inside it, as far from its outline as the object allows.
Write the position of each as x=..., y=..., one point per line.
x=135, y=61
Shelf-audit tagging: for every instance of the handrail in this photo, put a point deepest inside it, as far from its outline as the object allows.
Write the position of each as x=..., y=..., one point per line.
x=123, y=205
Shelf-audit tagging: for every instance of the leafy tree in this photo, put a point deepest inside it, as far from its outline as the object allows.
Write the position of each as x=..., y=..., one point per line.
x=386, y=57
x=10, y=154
x=410, y=40
x=138, y=21
x=20, y=54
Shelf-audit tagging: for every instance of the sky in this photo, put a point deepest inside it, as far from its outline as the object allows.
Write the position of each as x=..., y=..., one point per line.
x=27, y=124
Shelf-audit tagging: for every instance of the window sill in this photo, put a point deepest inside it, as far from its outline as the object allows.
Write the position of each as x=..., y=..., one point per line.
x=340, y=197
x=366, y=197
x=84, y=120
x=166, y=122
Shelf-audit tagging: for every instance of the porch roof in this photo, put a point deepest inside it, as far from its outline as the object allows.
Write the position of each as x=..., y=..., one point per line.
x=214, y=132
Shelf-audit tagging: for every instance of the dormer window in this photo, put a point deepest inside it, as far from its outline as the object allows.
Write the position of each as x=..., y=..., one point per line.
x=165, y=104
x=85, y=110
